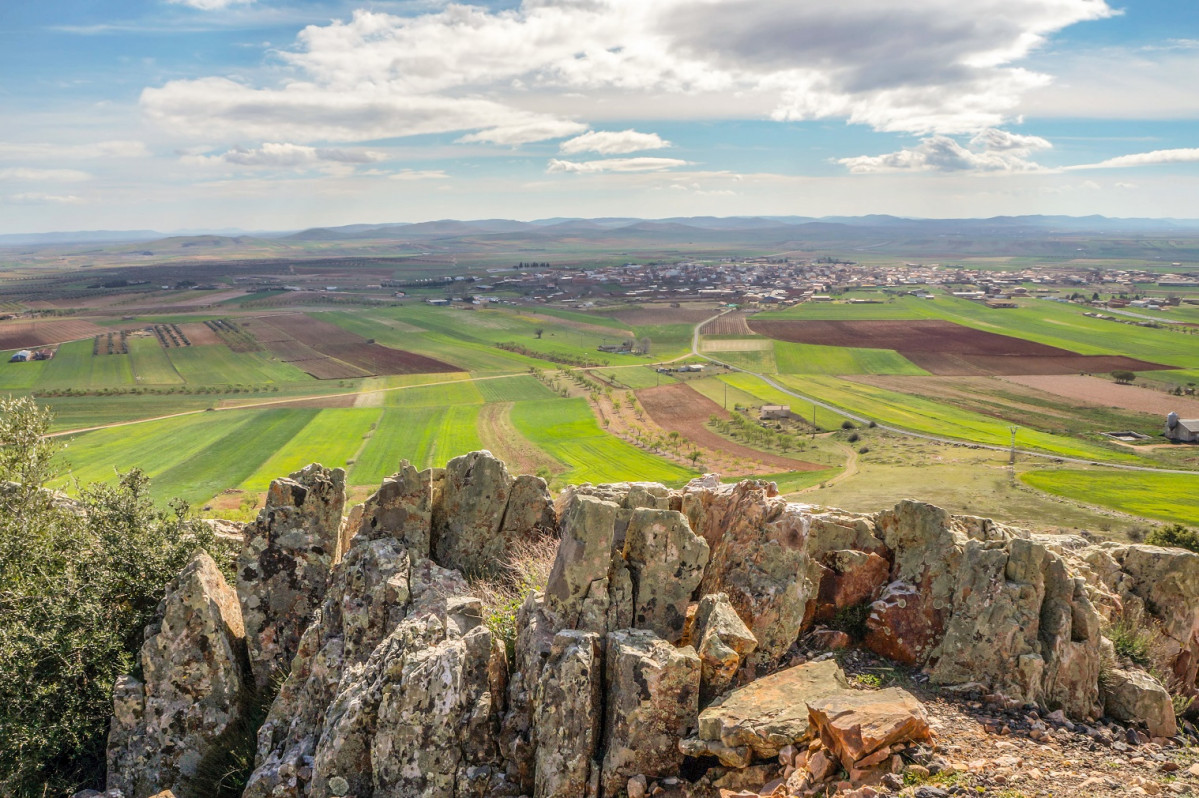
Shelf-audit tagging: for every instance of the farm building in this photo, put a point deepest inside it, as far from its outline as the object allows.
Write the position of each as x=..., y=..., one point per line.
x=1182, y=430
x=770, y=412
x=21, y=357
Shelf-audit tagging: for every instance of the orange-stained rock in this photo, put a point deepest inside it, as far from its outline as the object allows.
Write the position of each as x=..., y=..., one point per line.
x=858, y=724
x=849, y=578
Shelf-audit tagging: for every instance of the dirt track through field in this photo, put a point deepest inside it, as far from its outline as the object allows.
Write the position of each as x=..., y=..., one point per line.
x=501, y=438
x=948, y=349
x=679, y=408
x=1105, y=393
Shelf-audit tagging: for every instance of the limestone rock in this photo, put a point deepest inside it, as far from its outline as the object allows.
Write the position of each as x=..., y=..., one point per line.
x=855, y=724
x=1131, y=695
x=284, y=566
x=577, y=590
x=722, y=641
x=666, y=561
x=468, y=520
x=760, y=718
x=652, y=702
x=568, y=713
x=758, y=558
x=192, y=688
x=402, y=509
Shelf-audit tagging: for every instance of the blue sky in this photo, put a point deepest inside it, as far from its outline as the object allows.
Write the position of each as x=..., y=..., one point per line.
x=275, y=114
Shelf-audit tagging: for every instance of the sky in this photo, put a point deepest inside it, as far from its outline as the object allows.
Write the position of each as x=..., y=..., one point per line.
x=189, y=115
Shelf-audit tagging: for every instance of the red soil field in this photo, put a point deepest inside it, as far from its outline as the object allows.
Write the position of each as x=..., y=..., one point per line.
x=728, y=324
x=200, y=334
x=300, y=339
x=29, y=334
x=948, y=349
x=679, y=408
x=1104, y=392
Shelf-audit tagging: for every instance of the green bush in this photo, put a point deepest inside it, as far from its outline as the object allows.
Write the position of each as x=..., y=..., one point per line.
x=1175, y=535
x=852, y=620
x=79, y=581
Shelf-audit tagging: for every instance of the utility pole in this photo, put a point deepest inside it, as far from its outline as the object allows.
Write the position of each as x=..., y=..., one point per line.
x=813, y=422
x=1011, y=463
x=726, y=396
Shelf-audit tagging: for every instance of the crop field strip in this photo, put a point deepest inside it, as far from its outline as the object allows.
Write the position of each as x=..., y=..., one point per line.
x=1166, y=497
x=919, y=414
x=947, y=348
x=347, y=347
x=678, y=408
x=31, y=334
x=567, y=431
x=332, y=438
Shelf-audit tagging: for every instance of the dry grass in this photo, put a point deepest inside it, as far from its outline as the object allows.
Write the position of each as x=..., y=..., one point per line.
x=525, y=568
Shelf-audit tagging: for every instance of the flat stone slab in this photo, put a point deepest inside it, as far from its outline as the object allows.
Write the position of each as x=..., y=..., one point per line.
x=757, y=720
x=856, y=724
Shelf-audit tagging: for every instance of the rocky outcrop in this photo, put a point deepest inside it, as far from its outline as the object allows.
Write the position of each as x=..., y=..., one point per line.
x=662, y=633
x=482, y=511
x=192, y=691
x=766, y=715
x=652, y=703
x=759, y=559
x=723, y=641
x=285, y=563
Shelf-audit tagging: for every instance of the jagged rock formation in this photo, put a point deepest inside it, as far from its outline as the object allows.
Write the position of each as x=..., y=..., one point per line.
x=193, y=685
x=664, y=631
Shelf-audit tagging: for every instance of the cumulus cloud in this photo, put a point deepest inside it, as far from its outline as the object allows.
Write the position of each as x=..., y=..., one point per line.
x=1154, y=158
x=992, y=150
x=98, y=149
x=28, y=175
x=929, y=67
x=282, y=155
x=616, y=165
x=607, y=142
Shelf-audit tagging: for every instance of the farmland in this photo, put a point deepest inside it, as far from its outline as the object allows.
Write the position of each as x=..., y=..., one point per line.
x=228, y=388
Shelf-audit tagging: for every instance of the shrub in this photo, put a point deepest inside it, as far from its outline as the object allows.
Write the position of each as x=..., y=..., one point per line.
x=1175, y=535
x=79, y=581
x=853, y=437
x=864, y=450
x=847, y=424
x=525, y=568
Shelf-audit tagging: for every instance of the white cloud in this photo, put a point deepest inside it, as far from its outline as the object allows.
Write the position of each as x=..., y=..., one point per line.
x=933, y=66
x=991, y=150
x=273, y=154
x=44, y=175
x=419, y=174
x=615, y=165
x=1154, y=158
x=98, y=149
x=607, y=142
x=210, y=5
x=45, y=199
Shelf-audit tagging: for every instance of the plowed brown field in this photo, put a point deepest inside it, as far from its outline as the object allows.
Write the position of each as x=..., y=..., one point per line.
x=28, y=334
x=728, y=324
x=679, y=408
x=1098, y=391
x=948, y=349
x=305, y=341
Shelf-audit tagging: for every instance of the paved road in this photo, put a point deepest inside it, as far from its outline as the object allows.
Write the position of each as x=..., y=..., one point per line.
x=911, y=433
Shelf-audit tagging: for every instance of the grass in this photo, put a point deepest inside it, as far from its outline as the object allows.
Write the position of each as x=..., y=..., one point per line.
x=151, y=365
x=936, y=418
x=19, y=376
x=762, y=393
x=74, y=367
x=567, y=431
x=794, y=358
x=208, y=452
x=425, y=436
x=332, y=438
x=216, y=364
x=1166, y=497
x=513, y=389
x=454, y=393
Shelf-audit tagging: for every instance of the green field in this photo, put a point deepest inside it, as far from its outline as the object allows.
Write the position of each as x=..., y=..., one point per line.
x=513, y=389
x=19, y=376
x=935, y=418
x=216, y=364
x=454, y=393
x=794, y=358
x=566, y=430
x=759, y=393
x=75, y=367
x=1166, y=497
x=331, y=438
x=150, y=363
x=424, y=436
